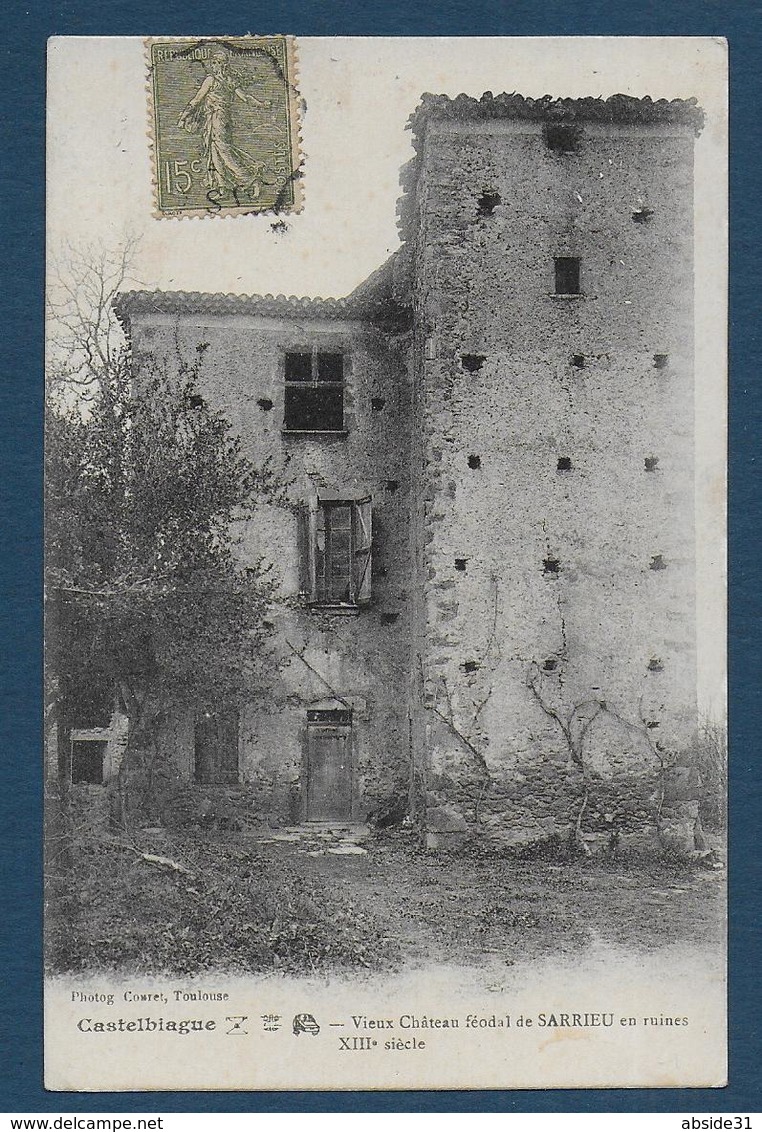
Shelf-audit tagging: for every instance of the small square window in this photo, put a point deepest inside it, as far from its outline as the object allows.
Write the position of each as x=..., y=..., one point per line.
x=332, y=717
x=314, y=396
x=567, y=275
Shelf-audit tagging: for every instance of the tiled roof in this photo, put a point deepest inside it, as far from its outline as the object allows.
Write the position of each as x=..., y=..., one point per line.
x=376, y=300
x=199, y=302
x=616, y=108
x=386, y=292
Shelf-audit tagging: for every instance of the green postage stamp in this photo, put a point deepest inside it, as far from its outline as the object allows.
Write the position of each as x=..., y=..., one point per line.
x=224, y=125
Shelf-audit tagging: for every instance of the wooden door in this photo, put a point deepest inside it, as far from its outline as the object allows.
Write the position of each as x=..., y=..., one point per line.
x=329, y=773
x=216, y=747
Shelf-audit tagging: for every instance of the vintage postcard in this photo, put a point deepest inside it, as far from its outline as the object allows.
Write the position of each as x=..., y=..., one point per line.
x=385, y=674
x=224, y=125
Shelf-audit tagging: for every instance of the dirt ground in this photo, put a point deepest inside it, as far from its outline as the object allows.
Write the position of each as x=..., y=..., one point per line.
x=442, y=908
x=303, y=901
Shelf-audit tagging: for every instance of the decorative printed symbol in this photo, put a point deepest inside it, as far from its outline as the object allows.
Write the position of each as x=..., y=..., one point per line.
x=271, y=1022
x=236, y=1023
x=305, y=1024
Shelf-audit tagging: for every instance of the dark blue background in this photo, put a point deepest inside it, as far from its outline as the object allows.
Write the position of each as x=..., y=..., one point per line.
x=24, y=33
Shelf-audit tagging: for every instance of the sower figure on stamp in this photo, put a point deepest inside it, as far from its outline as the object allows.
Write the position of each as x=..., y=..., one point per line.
x=210, y=112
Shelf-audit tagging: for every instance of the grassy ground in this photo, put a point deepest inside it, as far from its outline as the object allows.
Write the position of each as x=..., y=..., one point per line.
x=246, y=906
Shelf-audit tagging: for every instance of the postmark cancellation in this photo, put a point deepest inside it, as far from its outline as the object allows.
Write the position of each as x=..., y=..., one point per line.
x=224, y=125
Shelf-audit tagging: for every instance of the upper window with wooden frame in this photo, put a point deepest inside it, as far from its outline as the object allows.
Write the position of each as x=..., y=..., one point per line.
x=314, y=400
x=337, y=551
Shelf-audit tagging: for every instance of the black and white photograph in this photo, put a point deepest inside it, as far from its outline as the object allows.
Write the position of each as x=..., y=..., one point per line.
x=385, y=712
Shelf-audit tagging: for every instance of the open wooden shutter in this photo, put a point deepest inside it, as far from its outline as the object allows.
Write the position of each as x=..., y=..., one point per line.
x=307, y=535
x=363, y=543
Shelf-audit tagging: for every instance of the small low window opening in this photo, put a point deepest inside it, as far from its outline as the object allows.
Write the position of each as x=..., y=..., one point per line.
x=460, y=564
x=567, y=269
x=488, y=202
x=657, y=562
x=578, y=360
x=661, y=361
x=550, y=664
x=551, y=566
x=314, y=400
x=334, y=717
x=642, y=215
x=561, y=137
x=87, y=761
x=651, y=463
x=338, y=548
x=474, y=462
x=564, y=464
x=377, y=404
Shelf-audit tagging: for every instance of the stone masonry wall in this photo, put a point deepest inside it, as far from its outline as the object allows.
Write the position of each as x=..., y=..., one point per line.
x=326, y=659
x=554, y=442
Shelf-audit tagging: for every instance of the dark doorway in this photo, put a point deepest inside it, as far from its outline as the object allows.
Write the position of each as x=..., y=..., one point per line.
x=329, y=766
x=216, y=748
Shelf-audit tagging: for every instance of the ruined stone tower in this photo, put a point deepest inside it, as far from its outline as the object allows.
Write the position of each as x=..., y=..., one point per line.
x=552, y=265
x=487, y=552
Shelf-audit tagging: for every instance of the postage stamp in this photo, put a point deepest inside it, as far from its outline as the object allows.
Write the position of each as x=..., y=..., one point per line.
x=224, y=125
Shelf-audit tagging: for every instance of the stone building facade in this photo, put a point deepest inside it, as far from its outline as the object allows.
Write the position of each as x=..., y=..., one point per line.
x=486, y=553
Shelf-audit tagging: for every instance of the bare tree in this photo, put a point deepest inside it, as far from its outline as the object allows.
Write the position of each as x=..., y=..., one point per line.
x=712, y=762
x=84, y=338
x=464, y=721
x=146, y=598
